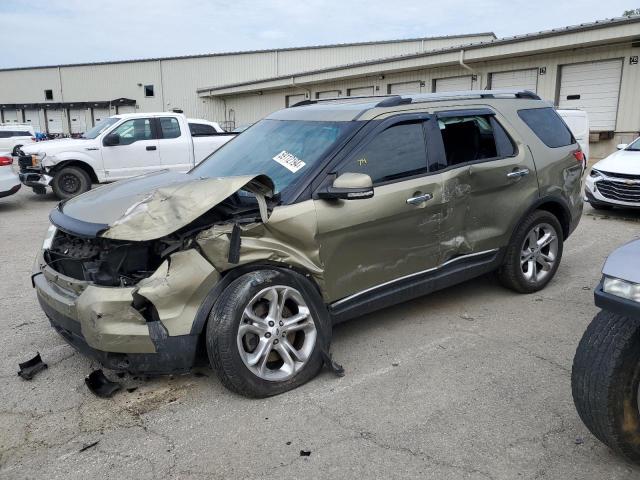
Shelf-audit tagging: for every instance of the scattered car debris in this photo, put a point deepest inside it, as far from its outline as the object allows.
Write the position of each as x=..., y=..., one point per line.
x=288, y=443
x=88, y=446
x=31, y=367
x=305, y=453
x=395, y=364
x=100, y=385
x=579, y=440
x=331, y=364
x=467, y=317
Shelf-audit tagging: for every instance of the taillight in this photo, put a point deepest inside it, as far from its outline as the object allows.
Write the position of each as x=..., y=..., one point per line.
x=33, y=139
x=4, y=161
x=579, y=155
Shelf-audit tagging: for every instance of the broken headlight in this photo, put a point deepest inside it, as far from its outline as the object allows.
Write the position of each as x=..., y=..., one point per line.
x=621, y=288
x=48, y=238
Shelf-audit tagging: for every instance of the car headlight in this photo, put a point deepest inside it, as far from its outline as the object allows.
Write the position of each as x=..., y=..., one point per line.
x=622, y=288
x=48, y=239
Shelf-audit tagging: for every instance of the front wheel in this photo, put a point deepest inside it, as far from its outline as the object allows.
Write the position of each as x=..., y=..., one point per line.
x=69, y=182
x=605, y=382
x=534, y=254
x=266, y=333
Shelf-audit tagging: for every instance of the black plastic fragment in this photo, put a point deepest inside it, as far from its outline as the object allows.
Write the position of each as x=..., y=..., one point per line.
x=100, y=385
x=331, y=364
x=305, y=453
x=234, y=244
x=88, y=446
x=29, y=368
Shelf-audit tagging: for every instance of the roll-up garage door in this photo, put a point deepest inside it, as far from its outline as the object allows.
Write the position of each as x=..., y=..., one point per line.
x=55, y=121
x=360, y=92
x=100, y=114
x=78, y=118
x=293, y=99
x=593, y=87
x=32, y=117
x=519, y=79
x=10, y=116
x=122, y=109
x=453, y=84
x=404, y=87
x=328, y=94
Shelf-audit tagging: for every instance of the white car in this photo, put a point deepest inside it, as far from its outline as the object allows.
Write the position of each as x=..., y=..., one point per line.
x=615, y=181
x=9, y=181
x=15, y=135
x=119, y=147
x=578, y=122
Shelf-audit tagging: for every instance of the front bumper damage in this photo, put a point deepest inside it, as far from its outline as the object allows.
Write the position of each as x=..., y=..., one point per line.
x=113, y=324
x=32, y=174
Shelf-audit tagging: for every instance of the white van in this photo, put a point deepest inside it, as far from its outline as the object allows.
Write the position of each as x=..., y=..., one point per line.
x=578, y=123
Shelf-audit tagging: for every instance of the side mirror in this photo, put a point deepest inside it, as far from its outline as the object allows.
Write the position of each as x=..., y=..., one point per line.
x=622, y=146
x=349, y=186
x=111, y=140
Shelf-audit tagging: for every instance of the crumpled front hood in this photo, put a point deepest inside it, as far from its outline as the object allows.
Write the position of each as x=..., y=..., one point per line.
x=52, y=147
x=622, y=161
x=157, y=204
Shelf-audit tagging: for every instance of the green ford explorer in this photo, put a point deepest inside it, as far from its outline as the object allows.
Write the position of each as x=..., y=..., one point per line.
x=321, y=212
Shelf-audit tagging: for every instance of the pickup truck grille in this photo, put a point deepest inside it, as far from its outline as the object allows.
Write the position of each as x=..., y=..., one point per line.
x=25, y=162
x=621, y=190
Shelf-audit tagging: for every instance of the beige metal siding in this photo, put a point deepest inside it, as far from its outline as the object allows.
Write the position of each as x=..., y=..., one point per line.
x=453, y=83
x=329, y=94
x=515, y=79
x=405, y=87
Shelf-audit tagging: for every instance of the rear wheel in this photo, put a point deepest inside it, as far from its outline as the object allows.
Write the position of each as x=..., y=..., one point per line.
x=605, y=382
x=266, y=333
x=69, y=182
x=534, y=254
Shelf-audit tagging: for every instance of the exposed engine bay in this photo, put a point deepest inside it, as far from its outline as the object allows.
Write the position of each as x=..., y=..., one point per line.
x=109, y=262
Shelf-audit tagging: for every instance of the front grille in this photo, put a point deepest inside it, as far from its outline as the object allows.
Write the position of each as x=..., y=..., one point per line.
x=621, y=175
x=25, y=161
x=619, y=190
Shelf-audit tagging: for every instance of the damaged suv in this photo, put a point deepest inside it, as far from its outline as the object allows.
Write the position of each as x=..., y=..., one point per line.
x=318, y=213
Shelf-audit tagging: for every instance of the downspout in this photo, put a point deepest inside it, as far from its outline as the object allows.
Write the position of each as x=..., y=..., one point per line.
x=464, y=65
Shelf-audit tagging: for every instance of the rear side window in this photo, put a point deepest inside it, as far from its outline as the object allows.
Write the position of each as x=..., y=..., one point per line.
x=548, y=126
x=201, y=130
x=170, y=127
x=397, y=152
x=20, y=134
x=474, y=138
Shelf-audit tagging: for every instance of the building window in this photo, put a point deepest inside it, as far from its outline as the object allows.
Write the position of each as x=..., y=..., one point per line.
x=48, y=94
x=148, y=90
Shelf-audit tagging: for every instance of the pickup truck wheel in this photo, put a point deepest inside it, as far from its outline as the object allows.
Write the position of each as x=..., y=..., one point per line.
x=266, y=333
x=534, y=254
x=69, y=182
x=605, y=379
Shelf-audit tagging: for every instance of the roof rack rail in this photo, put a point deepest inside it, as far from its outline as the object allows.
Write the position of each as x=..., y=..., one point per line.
x=385, y=98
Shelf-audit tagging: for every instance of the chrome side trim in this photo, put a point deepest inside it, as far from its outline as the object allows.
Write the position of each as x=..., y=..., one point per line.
x=411, y=275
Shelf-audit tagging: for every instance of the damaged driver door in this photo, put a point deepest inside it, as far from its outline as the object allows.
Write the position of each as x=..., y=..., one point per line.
x=369, y=243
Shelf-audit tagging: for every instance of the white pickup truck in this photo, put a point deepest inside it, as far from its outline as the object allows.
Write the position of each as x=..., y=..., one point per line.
x=118, y=147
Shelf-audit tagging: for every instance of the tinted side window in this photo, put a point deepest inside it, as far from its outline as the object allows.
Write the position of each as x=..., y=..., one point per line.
x=548, y=126
x=472, y=138
x=20, y=134
x=397, y=152
x=134, y=130
x=169, y=127
x=201, y=129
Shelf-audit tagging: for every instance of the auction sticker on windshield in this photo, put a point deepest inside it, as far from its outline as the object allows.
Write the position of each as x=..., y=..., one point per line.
x=289, y=161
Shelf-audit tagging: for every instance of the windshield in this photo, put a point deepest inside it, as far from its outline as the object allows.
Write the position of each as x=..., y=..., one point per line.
x=284, y=150
x=100, y=127
x=634, y=146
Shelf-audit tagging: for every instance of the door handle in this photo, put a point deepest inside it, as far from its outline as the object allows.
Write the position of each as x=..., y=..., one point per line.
x=518, y=173
x=417, y=200
x=151, y=147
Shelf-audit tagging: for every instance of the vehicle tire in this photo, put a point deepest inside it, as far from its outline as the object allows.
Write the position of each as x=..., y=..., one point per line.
x=600, y=206
x=605, y=379
x=247, y=343
x=16, y=150
x=533, y=256
x=69, y=182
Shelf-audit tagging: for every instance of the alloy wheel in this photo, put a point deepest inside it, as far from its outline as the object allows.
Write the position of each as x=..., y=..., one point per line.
x=277, y=333
x=539, y=253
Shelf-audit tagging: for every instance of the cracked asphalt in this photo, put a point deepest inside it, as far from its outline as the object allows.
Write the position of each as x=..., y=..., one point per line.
x=469, y=383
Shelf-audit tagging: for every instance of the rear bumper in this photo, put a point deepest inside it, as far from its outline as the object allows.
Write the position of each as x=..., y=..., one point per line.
x=11, y=191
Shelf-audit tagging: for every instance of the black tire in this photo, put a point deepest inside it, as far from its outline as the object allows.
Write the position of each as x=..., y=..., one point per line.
x=16, y=150
x=224, y=321
x=605, y=380
x=69, y=182
x=600, y=206
x=510, y=273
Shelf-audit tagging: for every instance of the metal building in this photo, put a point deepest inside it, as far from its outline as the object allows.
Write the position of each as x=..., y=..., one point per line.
x=591, y=66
